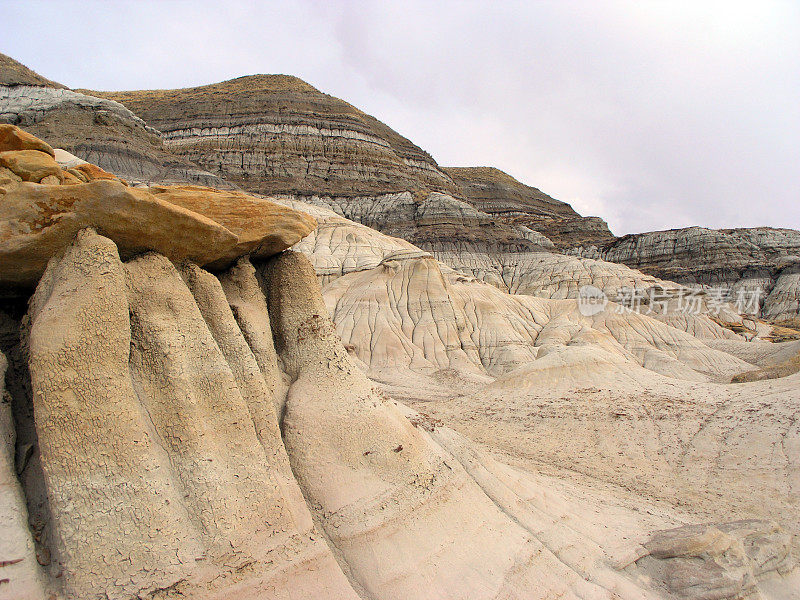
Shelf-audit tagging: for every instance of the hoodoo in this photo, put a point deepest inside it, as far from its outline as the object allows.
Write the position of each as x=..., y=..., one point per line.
x=255, y=344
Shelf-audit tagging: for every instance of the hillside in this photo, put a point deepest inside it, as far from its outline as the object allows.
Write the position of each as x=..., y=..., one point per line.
x=277, y=134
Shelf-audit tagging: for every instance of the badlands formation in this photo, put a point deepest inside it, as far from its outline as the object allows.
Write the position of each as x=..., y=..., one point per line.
x=343, y=371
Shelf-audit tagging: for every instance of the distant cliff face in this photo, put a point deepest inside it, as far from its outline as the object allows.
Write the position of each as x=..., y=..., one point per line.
x=491, y=190
x=759, y=258
x=277, y=134
x=274, y=134
x=97, y=130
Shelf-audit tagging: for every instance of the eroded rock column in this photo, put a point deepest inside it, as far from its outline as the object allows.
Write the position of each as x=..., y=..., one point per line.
x=405, y=515
x=119, y=525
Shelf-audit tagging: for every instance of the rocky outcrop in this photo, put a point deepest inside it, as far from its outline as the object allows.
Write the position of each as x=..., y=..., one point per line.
x=274, y=134
x=97, y=130
x=177, y=432
x=277, y=134
x=176, y=405
x=398, y=309
x=227, y=505
x=263, y=228
x=497, y=193
x=15, y=139
x=739, y=261
x=782, y=303
x=724, y=560
x=37, y=220
x=189, y=222
x=19, y=569
x=435, y=222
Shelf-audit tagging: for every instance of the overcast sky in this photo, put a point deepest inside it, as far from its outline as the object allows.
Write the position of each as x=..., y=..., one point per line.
x=650, y=114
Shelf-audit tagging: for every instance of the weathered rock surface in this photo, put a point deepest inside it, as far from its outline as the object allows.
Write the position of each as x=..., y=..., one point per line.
x=14, y=138
x=263, y=228
x=492, y=191
x=144, y=495
x=398, y=506
x=739, y=260
x=436, y=222
x=277, y=134
x=187, y=434
x=99, y=131
x=38, y=220
x=408, y=508
x=38, y=216
x=30, y=165
x=102, y=463
x=724, y=560
x=273, y=134
x=783, y=301
x=428, y=317
x=18, y=567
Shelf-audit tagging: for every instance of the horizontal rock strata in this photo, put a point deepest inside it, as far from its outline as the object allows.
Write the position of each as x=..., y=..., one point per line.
x=492, y=191
x=747, y=260
x=241, y=130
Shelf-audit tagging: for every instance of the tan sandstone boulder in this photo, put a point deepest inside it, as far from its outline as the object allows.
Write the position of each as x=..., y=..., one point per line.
x=14, y=138
x=30, y=165
x=201, y=224
x=36, y=221
x=263, y=227
x=91, y=172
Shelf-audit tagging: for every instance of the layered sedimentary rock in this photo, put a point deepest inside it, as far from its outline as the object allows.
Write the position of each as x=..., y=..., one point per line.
x=747, y=261
x=436, y=222
x=361, y=257
x=273, y=134
x=95, y=129
x=278, y=134
x=182, y=433
x=497, y=193
x=174, y=431
x=409, y=508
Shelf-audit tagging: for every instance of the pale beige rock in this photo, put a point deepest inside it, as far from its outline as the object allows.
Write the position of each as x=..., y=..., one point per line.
x=223, y=441
x=258, y=395
x=405, y=515
x=36, y=221
x=724, y=560
x=103, y=464
x=66, y=160
x=18, y=567
x=246, y=299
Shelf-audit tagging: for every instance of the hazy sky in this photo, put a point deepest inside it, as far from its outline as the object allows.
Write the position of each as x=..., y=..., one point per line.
x=650, y=114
